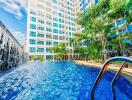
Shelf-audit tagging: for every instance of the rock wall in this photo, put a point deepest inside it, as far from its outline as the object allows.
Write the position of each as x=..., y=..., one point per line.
x=11, y=52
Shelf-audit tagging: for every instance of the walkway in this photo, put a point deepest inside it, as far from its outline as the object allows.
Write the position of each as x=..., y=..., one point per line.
x=127, y=72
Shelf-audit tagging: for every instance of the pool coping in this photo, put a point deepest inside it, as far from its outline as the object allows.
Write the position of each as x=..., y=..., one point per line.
x=126, y=73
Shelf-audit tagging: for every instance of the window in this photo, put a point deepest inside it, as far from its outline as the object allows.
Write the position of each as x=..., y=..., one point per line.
x=48, y=16
x=54, y=1
x=33, y=34
x=40, y=50
x=69, y=28
x=55, y=37
x=60, y=31
x=32, y=12
x=48, y=30
x=49, y=36
x=48, y=23
x=32, y=41
x=55, y=43
x=60, y=26
x=55, y=24
x=32, y=26
x=60, y=20
x=47, y=50
x=70, y=34
x=62, y=38
x=41, y=28
x=40, y=35
x=48, y=43
x=55, y=19
x=40, y=21
x=33, y=19
x=32, y=49
x=48, y=57
x=55, y=31
x=40, y=42
x=60, y=14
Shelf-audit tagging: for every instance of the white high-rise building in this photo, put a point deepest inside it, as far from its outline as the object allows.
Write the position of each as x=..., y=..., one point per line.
x=85, y=4
x=50, y=22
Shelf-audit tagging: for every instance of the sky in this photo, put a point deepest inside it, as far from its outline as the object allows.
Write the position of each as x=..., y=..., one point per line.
x=13, y=13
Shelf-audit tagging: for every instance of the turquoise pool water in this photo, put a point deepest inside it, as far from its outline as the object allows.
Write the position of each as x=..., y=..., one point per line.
x=59, y=81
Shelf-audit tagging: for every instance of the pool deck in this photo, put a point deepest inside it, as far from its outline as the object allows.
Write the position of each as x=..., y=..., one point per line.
x=127, y=72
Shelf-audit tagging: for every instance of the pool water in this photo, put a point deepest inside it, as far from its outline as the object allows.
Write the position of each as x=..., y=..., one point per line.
x=59, y=81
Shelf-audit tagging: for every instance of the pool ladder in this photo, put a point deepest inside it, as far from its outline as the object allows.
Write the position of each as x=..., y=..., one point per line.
x=125, y=60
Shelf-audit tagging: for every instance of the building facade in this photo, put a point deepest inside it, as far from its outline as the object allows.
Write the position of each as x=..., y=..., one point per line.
x=51, y=22
x=85, y=4
x=11, y=52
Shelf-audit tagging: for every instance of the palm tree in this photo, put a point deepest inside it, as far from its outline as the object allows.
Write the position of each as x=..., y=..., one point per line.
x=120, y=10
x=98, y=21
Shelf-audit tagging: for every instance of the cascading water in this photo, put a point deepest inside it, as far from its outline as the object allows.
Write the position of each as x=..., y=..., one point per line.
x=11, y=52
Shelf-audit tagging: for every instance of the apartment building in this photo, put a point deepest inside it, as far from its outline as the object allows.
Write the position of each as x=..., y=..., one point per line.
x=51, y=22
x=85, y=4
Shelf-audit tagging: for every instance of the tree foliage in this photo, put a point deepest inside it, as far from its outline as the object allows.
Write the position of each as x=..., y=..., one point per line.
x=41, y=58
x=100, y=25
x=59, y=50
x=101, y=30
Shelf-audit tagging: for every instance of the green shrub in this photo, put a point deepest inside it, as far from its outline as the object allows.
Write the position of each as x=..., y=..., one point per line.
x=41, y=58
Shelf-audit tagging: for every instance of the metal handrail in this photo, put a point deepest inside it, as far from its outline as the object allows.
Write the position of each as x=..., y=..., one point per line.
x=115, y=78
x=105, y=66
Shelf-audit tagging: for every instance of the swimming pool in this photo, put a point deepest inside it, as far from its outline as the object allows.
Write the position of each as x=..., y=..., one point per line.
x=59, y=81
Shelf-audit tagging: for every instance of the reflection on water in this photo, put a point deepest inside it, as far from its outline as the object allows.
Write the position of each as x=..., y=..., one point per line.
x=58, y=80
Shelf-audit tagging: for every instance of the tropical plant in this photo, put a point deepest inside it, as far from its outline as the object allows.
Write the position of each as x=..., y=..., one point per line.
x=96, y=25
x=120, y=10
x=59, y=50
x=100, y=23
x=41, y=58
x=100, y=29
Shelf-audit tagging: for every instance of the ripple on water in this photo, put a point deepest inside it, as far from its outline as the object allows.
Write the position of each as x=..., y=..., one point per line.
x=57, y=81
